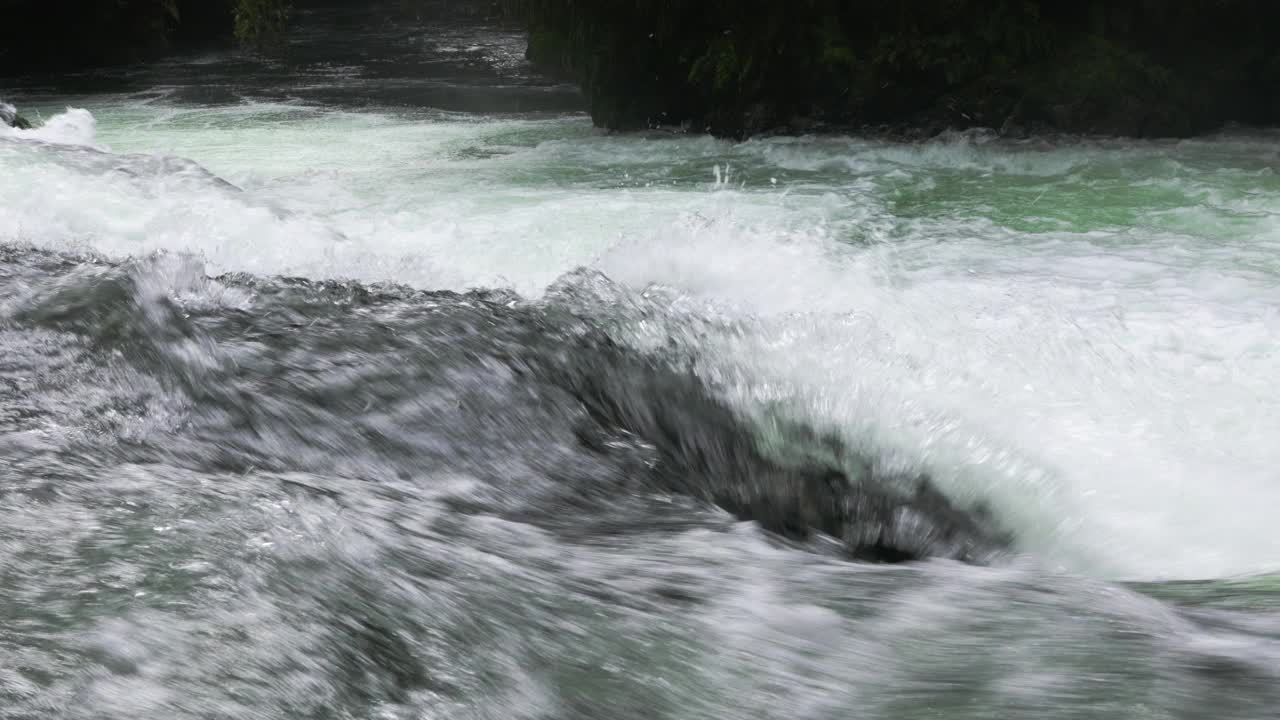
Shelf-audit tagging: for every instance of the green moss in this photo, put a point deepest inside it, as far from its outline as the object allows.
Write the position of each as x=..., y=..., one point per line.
x=260, y=23
x=720, y=68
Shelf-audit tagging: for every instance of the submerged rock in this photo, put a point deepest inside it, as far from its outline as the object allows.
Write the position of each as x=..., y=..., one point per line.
x=553, y=423
x=9, y=116
x=704, y=450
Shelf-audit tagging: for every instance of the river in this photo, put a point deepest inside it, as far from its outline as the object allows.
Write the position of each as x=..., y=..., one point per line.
x=351, y=385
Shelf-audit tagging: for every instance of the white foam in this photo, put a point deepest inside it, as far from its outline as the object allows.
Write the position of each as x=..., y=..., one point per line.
x=1093, y=354
x=1117, y=410
x=75, y=126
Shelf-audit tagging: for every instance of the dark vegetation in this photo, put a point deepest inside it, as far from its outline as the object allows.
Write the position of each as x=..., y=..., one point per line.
x=43, y=35
x=738, y=67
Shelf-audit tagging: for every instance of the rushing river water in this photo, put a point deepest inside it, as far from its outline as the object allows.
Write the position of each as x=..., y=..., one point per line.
x=376, y=383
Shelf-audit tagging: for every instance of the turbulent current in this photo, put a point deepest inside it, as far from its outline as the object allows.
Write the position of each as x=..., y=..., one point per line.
x=379, y=384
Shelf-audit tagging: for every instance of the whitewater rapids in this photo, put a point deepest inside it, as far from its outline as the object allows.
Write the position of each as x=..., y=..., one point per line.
x=310, y=409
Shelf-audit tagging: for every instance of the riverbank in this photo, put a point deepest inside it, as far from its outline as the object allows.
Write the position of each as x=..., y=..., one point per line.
x=1018, y=67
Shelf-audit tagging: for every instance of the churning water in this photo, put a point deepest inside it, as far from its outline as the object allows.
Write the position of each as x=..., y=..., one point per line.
x=324, y=395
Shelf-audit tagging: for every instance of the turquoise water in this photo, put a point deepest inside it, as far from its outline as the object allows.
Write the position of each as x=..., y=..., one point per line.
x=1087, y=323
